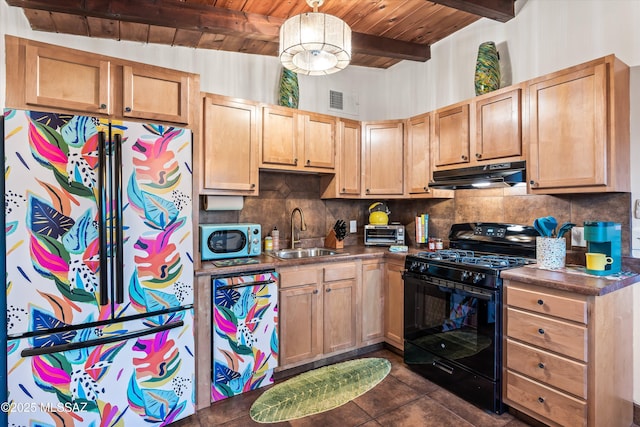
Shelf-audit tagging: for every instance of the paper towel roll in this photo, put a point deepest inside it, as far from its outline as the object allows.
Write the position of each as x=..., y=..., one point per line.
x=223, y=203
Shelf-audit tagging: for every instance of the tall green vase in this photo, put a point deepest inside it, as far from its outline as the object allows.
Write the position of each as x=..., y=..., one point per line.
x=288, y=93
x=487, y=76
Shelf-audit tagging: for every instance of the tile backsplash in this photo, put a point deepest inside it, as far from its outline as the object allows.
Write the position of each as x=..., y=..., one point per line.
x=280, y=193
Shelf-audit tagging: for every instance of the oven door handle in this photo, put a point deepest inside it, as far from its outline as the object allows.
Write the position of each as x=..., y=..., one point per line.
x=446, y=368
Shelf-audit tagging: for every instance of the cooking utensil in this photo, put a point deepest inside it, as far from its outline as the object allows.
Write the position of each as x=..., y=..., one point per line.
x=564, y=228
x=546, y=226
x=340, y=229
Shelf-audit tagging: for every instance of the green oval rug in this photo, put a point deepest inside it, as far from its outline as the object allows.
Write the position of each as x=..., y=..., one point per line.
x=319, y=390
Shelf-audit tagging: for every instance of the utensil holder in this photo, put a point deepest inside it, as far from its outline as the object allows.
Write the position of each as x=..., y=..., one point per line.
x=551, y=252
x=331, y=241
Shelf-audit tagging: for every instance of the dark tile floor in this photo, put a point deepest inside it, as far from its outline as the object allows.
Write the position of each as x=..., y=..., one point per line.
x=403, y=398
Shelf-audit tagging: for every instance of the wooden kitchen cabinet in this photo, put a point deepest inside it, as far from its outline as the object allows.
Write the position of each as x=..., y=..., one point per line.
x=317, y=311
x=53, y=78
x=383, y=158
x=565, y=353
x=372, y=296
x=298, y=141
x=483, y=130
x=230, y=146
x=418, y=157
x=57, y=77
x=451, y=135
x=394, y=303
x=579, y=129
x=155, y=93
x=498, y=126
x=347, y=181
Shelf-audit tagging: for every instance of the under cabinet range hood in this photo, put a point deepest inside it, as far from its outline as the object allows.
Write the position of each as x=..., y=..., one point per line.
x=505, y=174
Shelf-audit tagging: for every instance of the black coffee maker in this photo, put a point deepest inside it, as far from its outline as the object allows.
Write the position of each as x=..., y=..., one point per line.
x=605, y=238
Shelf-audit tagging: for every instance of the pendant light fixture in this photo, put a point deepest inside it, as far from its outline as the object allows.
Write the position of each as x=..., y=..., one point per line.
x=315, y=43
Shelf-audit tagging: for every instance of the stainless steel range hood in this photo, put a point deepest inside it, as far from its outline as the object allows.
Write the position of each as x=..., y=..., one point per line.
x=495, y=175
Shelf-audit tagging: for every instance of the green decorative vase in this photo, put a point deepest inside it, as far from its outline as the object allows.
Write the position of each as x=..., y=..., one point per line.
x=288, y=93
x=487, y=76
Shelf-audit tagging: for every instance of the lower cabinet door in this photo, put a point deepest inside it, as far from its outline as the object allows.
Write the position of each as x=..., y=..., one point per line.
x=126, y=374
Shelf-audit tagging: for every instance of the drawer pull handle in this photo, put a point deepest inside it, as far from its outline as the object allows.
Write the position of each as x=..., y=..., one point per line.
x=541, y=331
x=541, y=365
x=541, y=399
x=540, y=302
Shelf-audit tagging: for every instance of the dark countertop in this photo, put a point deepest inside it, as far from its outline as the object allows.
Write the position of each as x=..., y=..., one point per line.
x=265, y=261
x=572, y=278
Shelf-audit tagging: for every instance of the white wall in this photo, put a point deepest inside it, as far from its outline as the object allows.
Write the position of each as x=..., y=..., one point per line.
x=545, y=36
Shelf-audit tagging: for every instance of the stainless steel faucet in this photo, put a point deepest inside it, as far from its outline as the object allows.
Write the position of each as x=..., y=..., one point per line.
x=303, y=227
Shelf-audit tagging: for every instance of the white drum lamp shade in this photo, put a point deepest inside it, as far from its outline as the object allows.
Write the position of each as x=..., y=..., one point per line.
x=315, y=43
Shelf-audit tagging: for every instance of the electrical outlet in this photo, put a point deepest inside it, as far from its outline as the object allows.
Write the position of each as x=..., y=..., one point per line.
x=577, y=237
x=353, y=226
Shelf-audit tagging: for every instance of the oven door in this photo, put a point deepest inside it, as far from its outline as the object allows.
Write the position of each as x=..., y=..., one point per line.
x=451, y=325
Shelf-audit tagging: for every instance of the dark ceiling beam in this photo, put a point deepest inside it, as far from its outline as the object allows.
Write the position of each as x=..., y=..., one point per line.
x=498, y=10
x=215, y=20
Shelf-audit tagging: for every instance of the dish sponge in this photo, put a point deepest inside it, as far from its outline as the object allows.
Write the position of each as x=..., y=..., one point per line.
x=398, y=248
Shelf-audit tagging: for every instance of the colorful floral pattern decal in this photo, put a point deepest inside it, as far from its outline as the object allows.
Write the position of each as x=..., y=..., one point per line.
x=52, y=171
x=245, y=341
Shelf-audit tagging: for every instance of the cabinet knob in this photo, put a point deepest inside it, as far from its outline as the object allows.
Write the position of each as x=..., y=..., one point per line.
x=541, y=399
x=478, y=156
x=253, y=186
x=295, y=161
x=541, y=365
x=344, y=189
x=533, y=183
x=426, y=189
x=367, y=190
x=328, y=289
x=463, y=157
x=315, y=291
x=103, y=106
x=540, y=302
x=308, y=162
x=541, y=331
x=127, y=109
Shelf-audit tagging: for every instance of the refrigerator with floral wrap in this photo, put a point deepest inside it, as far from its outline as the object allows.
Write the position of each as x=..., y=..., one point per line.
x=99, y=271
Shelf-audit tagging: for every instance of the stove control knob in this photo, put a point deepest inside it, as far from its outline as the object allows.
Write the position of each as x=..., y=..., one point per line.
x=465, y=275
x=423, y=267
x=478, y=277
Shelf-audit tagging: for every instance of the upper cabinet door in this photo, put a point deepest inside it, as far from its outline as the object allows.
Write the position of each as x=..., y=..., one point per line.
x=319, y=141
x=230, y=146
x=57, y=78
x=418, y=159
x=349, y=174
x=498, y=126
x=568, y=129
x=279, y=137
x=154, y=93
x=384, y=158
x=451, y=135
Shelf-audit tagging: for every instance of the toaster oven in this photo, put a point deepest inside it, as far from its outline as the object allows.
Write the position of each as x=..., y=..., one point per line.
x=383, y=235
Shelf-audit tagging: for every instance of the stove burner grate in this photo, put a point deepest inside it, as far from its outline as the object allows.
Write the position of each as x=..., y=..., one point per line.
x=467, y=257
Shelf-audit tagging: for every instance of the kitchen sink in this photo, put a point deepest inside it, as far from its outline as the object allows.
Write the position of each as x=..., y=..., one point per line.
x=305, y=253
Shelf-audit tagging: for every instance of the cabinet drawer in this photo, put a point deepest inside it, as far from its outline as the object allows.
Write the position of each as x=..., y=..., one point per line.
x=339, y=272
x=565, y=374
x=558, y=407
x=547, y=303
x=298, y=276
x=548, y=333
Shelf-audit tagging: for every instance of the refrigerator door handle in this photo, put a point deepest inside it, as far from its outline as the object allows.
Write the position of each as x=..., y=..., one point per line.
x=103, y=206
x=38, y=351
x=119, y=258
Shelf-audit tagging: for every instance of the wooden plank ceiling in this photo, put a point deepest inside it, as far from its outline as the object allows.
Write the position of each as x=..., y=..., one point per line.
x=384, y=31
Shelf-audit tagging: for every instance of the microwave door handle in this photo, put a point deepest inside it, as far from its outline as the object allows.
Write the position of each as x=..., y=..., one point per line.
x=249, y=239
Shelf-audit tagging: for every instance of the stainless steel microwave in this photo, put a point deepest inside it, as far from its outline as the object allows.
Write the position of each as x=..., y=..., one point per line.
x=218, y=241
x=383, y=235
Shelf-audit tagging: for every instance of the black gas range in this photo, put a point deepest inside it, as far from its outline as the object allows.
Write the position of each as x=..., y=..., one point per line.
x=453, y=308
